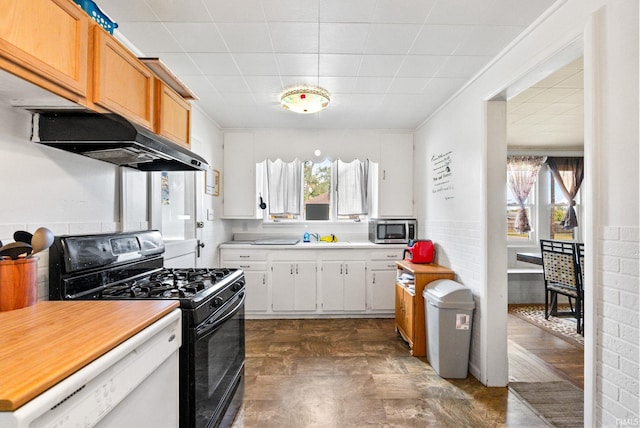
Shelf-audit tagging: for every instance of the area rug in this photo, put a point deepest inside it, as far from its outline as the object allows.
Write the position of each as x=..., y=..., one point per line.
x=558, y=403
x=564, y=328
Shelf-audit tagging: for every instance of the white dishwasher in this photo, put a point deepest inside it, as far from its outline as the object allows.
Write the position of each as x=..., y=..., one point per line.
x=135, y=385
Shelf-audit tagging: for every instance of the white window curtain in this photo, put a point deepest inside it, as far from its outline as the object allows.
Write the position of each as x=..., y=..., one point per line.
x=522, y=172
x=352, y=195
x=284, y=181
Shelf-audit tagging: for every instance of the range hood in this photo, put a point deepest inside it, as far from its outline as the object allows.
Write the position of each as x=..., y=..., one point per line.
x=112, y=138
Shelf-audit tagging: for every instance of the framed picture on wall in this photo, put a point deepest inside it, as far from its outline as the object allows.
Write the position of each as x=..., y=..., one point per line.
x=212, y=182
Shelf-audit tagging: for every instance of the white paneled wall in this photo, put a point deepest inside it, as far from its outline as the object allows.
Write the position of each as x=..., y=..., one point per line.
x=458, y=247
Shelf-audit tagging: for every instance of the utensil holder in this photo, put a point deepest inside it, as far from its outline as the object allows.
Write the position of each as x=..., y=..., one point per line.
x=18, y=283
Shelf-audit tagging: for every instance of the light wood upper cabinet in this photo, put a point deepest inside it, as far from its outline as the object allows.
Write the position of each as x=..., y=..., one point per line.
x=173, y=115
x=121, y=82
x=46, y=43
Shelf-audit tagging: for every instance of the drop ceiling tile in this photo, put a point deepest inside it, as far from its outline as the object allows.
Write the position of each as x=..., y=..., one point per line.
x=235, y=11
x=288, y=81
x=343, y=38
x=291, y=10
x=486, y=40
x=180, y=11
x=405, y=12
x=338, y=84
x=391, y=38
x=180, y=63
x=246, y=37
x=408, y=85
x=151, y=37
x=229, y=84
x=256, y=64
x=574, y=81
x=347, y=11
x=339, y=65
x=380, y=65
x=553, y=95
x=268, y=84
x=197, y=36
x=462, y=66
x=461, y=12
x=122, y=11
x=298, y=64
x=215, y=64
x=421, y=65
x=514, y=12
x=372, y=85
x=294, y=37
x=440, y=39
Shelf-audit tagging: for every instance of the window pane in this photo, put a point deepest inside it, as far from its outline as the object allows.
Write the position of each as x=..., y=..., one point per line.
x=512, y=212
x=317, y=190
x=559, y=204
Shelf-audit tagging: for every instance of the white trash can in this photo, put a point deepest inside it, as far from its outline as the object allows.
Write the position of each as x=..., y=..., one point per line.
x=448, y=307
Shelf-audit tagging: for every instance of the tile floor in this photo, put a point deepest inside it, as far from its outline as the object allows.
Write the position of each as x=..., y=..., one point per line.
x=358, y=373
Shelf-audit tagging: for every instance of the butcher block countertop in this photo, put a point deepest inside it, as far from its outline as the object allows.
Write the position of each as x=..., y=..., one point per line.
x=40, y=345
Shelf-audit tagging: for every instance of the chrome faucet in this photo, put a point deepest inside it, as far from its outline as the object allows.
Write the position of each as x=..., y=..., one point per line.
x=316, y=235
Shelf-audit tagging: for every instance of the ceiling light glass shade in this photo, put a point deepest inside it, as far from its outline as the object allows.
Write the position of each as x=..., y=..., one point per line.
x=305, y=99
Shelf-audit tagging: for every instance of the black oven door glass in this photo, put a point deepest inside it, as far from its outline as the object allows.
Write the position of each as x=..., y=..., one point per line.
x=392, y=231
x=219, y=362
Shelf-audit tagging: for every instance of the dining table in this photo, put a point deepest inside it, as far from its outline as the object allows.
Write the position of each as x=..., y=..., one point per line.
x=534, y=258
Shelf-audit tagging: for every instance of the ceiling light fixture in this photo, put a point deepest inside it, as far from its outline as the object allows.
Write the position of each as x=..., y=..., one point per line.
x=305, y=99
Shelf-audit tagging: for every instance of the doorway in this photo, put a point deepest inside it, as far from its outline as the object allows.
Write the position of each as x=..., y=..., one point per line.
x=542, y=115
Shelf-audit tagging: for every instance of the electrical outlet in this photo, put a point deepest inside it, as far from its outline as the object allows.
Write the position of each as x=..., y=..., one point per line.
x=210, y=214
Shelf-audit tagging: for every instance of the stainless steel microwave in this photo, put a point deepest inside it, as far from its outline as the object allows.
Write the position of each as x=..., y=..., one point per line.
x=392, y=231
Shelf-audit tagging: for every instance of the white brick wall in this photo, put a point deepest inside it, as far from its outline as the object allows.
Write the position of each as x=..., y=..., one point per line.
x=617, y=330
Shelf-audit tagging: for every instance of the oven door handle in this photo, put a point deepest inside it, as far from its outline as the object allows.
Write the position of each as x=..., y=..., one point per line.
x=214, y=323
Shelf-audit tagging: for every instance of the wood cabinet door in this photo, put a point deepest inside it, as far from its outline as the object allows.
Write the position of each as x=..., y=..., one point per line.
x=401, y=319
x=173, y=115
x=121, y=82
x=46, y=42
x=409, y=307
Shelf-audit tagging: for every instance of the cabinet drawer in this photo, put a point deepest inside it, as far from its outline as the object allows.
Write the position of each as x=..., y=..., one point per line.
x=247, y=266
x=381, y=265
x=243, y=255
x=294, y=255
x=391, y=254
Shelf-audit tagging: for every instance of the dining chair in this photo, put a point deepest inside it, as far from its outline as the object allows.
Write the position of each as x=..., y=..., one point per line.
x=562, y=275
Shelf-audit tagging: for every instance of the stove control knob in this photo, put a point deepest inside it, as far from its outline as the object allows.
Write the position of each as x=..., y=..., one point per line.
x=216, y=302
x=237, y=286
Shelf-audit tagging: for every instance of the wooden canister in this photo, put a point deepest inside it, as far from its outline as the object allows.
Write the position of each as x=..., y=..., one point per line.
x=18, y=283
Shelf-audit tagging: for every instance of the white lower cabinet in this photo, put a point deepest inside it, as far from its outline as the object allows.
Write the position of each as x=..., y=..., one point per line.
x=343, y=286
x=316, y=282
x=293, y=286
x=381, y=279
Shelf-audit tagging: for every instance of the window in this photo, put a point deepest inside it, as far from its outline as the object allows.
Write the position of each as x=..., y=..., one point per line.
x=326, y=190
x=558, y=204
x=317, y=190
x=512, y=211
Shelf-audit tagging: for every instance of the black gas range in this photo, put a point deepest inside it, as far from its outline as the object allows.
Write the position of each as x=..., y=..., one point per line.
x=129, y=266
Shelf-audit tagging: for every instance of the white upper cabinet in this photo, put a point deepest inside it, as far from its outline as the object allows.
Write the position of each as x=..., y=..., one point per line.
x=392, y=195
x=239, y=176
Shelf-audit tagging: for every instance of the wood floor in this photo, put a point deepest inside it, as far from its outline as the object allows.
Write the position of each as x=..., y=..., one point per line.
x=358, y=373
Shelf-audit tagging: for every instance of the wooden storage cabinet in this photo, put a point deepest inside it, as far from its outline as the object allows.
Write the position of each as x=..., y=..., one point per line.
x=121, y=82
x=409, y=305
x=46, y=42
x=173, y=115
